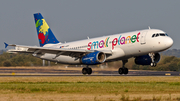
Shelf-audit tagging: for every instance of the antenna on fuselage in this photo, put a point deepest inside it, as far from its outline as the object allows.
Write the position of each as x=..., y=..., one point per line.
x=88, y=37
x=149, y=27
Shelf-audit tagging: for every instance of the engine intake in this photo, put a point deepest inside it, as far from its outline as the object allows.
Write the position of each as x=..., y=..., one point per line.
x=93, y=58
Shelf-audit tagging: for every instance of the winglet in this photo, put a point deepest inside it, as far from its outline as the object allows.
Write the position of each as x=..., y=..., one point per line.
x=6, y=45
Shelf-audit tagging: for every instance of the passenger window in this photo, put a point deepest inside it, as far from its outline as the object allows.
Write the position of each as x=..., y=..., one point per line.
x=157, y=35
x=153, y=35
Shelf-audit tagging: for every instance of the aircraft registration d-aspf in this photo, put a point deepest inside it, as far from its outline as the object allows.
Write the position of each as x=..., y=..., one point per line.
x=143, y=45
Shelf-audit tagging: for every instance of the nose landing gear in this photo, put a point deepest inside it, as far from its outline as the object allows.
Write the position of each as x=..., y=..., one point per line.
x=153, y=63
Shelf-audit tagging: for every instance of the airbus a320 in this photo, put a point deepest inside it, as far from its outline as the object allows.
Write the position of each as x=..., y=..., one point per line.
x=143, y=45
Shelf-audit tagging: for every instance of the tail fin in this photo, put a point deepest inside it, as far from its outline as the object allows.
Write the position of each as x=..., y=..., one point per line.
x=45, y=35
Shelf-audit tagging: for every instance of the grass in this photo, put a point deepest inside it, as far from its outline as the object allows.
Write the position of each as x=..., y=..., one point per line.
x=91, y=88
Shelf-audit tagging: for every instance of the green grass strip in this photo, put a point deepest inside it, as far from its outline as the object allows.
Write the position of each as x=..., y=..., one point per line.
x=90, y=87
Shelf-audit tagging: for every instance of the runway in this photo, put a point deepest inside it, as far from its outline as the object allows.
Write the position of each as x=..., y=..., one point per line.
x=37, y=72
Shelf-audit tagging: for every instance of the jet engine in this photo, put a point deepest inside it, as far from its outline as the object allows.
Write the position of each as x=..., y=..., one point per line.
x=93, y=58
x=146, y=59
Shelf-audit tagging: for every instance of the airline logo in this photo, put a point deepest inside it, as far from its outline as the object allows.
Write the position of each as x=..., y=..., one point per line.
x=116, y=41
x=43, y=31
x=101, y=44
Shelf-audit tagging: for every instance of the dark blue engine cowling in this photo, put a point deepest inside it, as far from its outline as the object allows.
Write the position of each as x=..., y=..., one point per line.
x=146, y=59
x=93, y=58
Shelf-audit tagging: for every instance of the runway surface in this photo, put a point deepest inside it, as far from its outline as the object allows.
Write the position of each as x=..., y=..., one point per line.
x=33, y=72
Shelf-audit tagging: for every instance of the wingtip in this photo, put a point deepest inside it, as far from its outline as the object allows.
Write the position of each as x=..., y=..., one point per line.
x=6, y=45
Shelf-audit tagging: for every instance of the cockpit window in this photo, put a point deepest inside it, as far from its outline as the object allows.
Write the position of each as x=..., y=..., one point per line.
x=162, y=34
x=153, y=35
x=166, y=34
x=157, y=35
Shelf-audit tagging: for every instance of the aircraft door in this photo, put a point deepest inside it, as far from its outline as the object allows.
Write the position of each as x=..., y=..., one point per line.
x=143, y=37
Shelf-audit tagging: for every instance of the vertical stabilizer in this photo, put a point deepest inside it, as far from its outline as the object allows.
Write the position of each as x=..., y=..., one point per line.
x=45, y=35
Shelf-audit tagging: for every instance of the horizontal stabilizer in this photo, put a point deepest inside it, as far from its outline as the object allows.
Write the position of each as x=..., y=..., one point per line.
x=6, y=45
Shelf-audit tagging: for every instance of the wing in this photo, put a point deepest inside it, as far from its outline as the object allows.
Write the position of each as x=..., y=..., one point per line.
x=58, y=51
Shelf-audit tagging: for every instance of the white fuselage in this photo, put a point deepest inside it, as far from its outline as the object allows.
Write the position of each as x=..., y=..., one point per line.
x=123, y=46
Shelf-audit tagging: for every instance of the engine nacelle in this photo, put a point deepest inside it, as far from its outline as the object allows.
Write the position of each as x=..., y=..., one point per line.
x=93, y=58
x=146, y=59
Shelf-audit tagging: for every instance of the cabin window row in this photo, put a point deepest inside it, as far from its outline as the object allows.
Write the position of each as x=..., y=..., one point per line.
x=78, y=47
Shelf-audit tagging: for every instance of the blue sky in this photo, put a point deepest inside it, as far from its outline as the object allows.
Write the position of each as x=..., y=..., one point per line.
x=72, y=20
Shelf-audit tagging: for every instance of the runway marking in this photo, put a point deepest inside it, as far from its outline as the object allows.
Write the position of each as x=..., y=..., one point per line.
x=168, y=74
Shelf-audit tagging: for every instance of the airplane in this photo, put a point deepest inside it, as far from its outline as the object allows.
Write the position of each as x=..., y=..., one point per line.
x=143, y=45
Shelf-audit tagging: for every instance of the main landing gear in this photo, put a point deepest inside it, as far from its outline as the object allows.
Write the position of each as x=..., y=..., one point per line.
x=123, y=70
x=87, y=70
x=153, y=64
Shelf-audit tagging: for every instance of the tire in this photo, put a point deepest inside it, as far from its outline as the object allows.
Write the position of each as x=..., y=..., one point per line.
x=84, y=71
x=152, y=64
x=126, y=71
x=89, y=71
x=120, y=71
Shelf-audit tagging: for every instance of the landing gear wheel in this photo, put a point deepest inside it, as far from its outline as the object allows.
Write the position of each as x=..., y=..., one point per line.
x=89, y=71
x=121, y=71
x=84, y=71
x=153, y=64
x=125, y=70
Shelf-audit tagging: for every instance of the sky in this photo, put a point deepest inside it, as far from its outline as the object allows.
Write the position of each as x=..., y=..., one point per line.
x=72, y=20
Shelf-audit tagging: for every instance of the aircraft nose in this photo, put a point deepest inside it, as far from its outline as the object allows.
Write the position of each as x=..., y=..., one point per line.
x=169, y=42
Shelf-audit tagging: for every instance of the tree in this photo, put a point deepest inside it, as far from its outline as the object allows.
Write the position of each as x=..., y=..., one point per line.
x=6, y=63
